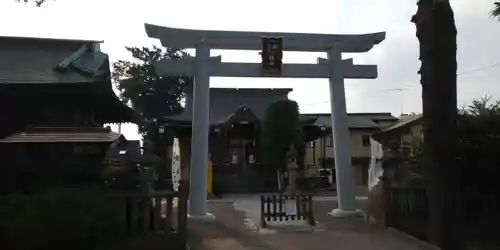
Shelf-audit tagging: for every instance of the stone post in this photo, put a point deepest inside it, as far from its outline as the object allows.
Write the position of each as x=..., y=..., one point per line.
x=200, y=133
x=346, y=189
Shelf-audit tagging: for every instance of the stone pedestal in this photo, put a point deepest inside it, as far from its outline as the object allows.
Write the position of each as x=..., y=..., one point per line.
x=292, y=181
x=207, y=217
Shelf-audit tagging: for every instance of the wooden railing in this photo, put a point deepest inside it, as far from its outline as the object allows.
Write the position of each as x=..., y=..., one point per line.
x=286, y=207
x=407, y=210
x=158, y=212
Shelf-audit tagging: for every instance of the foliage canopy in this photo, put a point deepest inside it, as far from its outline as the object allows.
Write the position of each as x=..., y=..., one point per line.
x=280, y=129
x=151, y=95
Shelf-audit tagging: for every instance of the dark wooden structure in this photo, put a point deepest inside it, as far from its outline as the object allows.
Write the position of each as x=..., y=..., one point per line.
x=235, y=116
x=55, y=97
x=273, y=208
x=158, y=213
x=407, y=209
x=59, y=83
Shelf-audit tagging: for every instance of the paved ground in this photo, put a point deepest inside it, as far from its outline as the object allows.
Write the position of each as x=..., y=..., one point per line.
x=361, y=191
x=235, y=229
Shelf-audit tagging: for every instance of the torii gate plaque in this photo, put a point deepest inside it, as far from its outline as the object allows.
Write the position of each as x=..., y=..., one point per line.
x=203, y=66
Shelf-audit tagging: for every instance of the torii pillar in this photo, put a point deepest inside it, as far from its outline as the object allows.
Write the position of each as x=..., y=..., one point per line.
x=203, y=66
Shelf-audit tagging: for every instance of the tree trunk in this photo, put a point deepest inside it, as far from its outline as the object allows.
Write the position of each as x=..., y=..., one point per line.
x=437, y=35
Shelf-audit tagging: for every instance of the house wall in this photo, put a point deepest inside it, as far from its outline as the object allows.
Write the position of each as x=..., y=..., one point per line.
x=314, y=151
x=414, y=132
x=407, y=136
x=360, y=146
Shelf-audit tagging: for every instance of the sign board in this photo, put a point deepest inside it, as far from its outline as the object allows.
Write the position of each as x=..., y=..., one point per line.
x=176, y=164
x=272, y=55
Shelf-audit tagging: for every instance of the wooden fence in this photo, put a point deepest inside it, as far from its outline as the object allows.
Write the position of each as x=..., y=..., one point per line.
x=407, y=210
x=158, y=212
x=286, y=207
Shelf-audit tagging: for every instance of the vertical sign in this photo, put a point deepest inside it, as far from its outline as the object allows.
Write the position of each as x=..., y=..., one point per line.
x=272, y=55
x=176, y=165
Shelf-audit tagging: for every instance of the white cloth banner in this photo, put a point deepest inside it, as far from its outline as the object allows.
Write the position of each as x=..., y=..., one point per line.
x=375, y=170
x=176, y=165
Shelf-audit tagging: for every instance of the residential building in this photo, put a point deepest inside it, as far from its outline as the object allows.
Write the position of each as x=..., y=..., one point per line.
x=405, y=134
x=320, y=155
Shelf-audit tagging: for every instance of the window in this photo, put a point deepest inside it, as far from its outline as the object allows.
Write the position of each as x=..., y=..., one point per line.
x=365, y=140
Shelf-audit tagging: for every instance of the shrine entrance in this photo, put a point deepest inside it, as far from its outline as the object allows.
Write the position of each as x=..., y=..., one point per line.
x=271, y=47
x=238, y=159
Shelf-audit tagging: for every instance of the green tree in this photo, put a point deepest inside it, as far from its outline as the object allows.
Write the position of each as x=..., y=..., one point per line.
x=483, y=106
x=280, y=129
x=153, y=96
x=496, y=10
x=437, y=35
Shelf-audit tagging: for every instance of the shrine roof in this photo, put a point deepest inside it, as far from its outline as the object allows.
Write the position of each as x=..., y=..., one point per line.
x=28, y=61
x=58, y=135
x=225, y=103
x=355, y=120
x=43, y=60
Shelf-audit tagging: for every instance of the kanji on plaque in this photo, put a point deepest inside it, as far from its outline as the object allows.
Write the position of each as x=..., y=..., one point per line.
x=272, y=55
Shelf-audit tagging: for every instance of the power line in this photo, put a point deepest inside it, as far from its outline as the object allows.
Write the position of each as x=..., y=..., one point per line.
x=404, y=88
x=478, y=69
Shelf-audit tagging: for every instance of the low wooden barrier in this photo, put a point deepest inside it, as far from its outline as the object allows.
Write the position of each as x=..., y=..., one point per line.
x=286, y=207
x=159, y=212
x=406, y=210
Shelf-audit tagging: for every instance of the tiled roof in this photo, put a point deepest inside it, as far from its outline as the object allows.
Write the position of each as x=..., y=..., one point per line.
x=34, y=64
x=34, y=60
x=224, y=102
x=377, y=116
x=404, y=120
x=355, y=120
x=66, y=134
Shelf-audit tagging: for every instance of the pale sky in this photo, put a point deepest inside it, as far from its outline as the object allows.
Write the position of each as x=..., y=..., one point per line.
x=120, y=23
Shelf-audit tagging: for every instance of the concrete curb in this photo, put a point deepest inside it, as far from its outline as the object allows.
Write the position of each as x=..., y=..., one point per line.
x=257, y=197
x=221, y=200
x=413, y=239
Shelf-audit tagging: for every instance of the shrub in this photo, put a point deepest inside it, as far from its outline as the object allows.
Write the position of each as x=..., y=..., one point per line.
x=60, y=219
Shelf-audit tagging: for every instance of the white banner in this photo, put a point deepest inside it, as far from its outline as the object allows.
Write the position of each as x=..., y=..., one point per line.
x=375, y=170
x=176, y=165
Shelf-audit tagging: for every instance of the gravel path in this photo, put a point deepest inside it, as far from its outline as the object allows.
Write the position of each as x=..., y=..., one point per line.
x=236, y=229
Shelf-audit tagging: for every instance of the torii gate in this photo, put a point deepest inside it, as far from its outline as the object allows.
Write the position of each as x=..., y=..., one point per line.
x=203, y=66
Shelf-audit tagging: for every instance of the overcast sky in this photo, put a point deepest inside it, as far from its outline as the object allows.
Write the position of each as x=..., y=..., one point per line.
x=121, y=22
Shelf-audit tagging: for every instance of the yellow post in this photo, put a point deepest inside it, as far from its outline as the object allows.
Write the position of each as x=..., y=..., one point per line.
x=209, y=175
